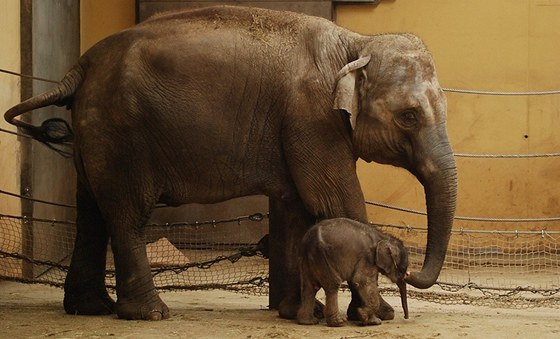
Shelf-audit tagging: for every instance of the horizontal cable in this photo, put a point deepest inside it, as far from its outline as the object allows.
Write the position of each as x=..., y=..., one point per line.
x=507, y=156
x=459, y=155
x=27, y=219
x=407, y=210
x=462, y=230
x=27, y=76
x=15, y=133
x=451, y=90
x=466, y=91
x=36, y=200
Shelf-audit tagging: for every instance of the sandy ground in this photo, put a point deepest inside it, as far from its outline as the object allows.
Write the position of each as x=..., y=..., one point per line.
x=35, y=311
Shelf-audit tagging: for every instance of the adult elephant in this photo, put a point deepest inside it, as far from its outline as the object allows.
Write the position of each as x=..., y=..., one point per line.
x=206, y=105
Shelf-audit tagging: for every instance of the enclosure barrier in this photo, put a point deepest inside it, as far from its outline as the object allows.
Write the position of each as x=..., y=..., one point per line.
x=503, y=268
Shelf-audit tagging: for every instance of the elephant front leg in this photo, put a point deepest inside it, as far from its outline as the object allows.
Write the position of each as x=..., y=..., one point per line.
x=288, y=223
x=84, y=287
x=386, y=311
x=364, y=285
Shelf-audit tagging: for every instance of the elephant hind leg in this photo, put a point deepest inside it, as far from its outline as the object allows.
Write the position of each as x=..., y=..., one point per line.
x=332, y=314
x=126, y=208
x=309, y=288
x=84, y=288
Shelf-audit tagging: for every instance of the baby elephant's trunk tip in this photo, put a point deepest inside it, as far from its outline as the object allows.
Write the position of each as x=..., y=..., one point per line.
x=402, y=291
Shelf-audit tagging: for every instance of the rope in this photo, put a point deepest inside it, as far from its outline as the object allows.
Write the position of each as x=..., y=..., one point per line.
x=466, y=91
x=451, y=90
x=259, y=216
x=36, y=200
x=16, y=133
x=407, y=210
x=461, y=230
x=27, y=219
x=27, y=76
x=507, y=156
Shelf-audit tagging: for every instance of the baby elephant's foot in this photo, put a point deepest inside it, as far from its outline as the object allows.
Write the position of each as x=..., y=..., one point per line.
x=367, y=317
x=307, y=320
x=386, y=312
x=306, y=317
x=336, y=320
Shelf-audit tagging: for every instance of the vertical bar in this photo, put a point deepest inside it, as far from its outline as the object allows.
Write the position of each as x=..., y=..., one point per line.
x=26, y=167
x=276, y=273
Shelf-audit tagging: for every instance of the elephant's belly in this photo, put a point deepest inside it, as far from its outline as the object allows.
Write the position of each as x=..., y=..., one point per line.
x=216, y=186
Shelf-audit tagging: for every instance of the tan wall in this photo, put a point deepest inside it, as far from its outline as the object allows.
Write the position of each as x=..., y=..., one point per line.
x=100, y=18
x=9, y=96
x=10, y=237
x=498, y=45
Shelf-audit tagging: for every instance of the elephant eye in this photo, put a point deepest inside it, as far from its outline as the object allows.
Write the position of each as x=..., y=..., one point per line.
x=407, y=118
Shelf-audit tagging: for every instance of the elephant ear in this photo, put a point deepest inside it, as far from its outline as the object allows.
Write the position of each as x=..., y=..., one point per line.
x=386, y=258
x=346, y=92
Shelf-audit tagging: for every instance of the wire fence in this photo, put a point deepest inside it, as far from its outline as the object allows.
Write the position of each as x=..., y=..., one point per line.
x=502, y=268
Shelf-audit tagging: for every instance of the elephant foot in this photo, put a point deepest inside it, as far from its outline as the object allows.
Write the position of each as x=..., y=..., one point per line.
x=288, y=309
x=367, y=317
x=336, y=320
x=89, y=303
x=153, y=309
x=307, y=319
x=386, y=311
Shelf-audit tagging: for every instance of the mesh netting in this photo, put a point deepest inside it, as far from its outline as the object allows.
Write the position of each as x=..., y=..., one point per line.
x=502, y=269
x=189, y=264
x=493, y=268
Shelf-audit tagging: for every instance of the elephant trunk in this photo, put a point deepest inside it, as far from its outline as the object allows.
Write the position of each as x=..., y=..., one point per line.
x=402, y=291
x=440, y=186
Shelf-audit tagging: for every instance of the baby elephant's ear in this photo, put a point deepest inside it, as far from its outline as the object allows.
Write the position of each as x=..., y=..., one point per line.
x=387, y=257
x=346, y=93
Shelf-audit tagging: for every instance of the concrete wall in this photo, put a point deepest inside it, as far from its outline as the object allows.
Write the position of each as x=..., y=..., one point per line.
x=497, y=45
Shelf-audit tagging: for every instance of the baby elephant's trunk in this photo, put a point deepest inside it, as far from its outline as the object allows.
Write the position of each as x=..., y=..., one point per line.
x=402, y=291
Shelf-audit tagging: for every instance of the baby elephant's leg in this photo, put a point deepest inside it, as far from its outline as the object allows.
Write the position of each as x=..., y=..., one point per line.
x=332, y=314
x=305, y=315
x=365, y=284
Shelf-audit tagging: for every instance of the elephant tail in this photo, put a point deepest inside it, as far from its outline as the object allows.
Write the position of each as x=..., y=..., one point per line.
x=54, y=130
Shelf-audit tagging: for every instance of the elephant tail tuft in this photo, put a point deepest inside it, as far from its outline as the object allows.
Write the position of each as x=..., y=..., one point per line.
x=54, y=130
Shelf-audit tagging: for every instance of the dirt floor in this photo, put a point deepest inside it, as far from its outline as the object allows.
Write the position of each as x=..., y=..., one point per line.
x=35, y=311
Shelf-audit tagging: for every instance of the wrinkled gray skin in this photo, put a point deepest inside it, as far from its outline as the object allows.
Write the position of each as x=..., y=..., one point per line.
x=207, y=105
x=338, y=250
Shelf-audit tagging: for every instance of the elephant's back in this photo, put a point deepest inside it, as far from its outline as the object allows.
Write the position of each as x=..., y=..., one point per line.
x=254, y=20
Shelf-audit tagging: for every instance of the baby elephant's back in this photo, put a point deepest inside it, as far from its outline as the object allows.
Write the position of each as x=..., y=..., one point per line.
x=340, y=237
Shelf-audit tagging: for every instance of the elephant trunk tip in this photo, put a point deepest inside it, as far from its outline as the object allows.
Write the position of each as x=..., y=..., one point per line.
x=402, y=291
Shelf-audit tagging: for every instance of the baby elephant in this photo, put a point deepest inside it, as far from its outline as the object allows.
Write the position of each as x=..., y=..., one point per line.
x=337, y=250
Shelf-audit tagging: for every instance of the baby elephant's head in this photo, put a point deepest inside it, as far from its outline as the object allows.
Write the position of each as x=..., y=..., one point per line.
x=392, y=260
